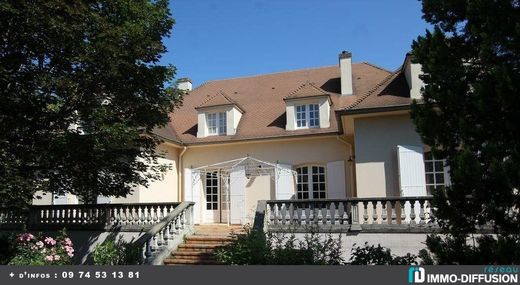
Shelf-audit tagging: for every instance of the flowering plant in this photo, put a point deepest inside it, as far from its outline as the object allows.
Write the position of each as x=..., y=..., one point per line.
x=43, y=250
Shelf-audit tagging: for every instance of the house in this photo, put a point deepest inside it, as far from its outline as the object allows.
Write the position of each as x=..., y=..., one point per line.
x=333, y=132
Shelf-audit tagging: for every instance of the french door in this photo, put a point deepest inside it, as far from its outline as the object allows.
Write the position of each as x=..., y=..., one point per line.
x=216, y=192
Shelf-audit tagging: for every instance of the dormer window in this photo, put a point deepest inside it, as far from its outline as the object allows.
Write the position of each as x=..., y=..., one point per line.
x=218, y=116
x=307, y=116
x=307, y=107
x=216, y=123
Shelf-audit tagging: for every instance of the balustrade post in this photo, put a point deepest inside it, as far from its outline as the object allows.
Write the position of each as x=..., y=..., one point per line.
x=422, y=216
x=354, y=214
x=303, y=215
x=365, y=212
x=393, y=213
x=403, y=211
x=384, y=212
x=412, y=212
x=328, y=215
x=336, y=212
x=374, y=212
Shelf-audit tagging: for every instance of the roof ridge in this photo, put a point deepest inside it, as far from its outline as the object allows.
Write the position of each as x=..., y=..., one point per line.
x=219, y=92
x=273, y=73
x=378, y=67
x=371, y=91
x=303, y=85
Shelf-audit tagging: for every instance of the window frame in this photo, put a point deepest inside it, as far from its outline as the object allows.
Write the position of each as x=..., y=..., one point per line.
x=303, y=117
x=308, y=190
x=212, y=199
x=434, y=184
x=220, y=120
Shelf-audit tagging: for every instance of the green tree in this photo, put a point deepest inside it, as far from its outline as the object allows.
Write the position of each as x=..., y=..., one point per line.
x=470, y=115
x=81, y=89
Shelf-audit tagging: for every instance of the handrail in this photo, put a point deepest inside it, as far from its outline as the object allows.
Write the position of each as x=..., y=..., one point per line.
x=166, y=235
x=134, y=216
x=376, y=214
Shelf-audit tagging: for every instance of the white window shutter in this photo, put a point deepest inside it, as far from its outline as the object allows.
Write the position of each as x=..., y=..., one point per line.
x=192, y=192
x=412, y=181
x=103, y=200
x=60, y=199
x=285, y=182
x=336, y=180
x=237, y=194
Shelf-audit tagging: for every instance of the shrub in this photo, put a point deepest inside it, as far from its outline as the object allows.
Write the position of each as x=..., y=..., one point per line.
x=378, y=255
x=7, y=248
x=43, y=250
x=256, y=247
x=111, y=252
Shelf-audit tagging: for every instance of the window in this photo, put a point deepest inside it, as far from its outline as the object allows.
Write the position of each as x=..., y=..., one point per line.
x=311, y=182
x=216, y=123
x=212, y=191
x=434, y=169
x=308, y=116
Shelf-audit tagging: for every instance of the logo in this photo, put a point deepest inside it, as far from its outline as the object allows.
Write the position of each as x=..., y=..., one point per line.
x=416, y=274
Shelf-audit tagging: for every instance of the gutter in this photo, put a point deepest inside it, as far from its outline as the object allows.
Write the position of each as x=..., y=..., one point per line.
x=179, y=174
x=374, y=110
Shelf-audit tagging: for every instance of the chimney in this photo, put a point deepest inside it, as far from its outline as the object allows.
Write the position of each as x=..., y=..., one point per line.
x=412, y=72
x=184, y=84
x=345, y=67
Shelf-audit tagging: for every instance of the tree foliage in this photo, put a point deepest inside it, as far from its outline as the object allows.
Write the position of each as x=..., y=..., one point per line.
x=470, y=116
x=81, y=86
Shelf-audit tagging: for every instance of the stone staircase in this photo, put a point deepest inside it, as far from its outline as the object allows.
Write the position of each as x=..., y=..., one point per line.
x=199, y=248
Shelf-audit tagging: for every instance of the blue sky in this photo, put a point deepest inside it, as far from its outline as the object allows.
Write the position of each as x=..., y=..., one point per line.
x=218, y=39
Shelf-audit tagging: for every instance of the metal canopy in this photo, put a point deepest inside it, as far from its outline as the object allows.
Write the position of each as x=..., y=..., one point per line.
x=253, y=167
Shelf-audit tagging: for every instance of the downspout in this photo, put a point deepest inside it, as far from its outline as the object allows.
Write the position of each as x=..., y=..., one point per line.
x=179, y=175
x=351, y=167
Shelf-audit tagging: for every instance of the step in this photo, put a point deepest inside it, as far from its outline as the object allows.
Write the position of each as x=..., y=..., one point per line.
x=201, y=247
x=197, y=238
x=205, y=256
x=179, y=261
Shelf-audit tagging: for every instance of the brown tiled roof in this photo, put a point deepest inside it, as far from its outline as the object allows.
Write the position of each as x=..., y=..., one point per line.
x=262, y=97
x=306, y=90
x=219, y=99
x=392, y=91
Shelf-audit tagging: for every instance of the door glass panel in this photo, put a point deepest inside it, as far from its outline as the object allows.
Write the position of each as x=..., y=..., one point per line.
x=212, y=191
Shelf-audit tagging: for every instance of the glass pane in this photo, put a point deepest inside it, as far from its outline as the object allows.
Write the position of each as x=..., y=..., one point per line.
x=439, y=166
x=428, y=167
x=429, y=179
x=429, y=189
x=439, y=178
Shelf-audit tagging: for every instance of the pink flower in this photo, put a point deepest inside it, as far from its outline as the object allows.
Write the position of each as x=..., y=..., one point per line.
x=69, y=249
x=39, y=244
x=56, y=257
x=25, y=237
x=67, y=242
x=70, y=254
x=49, y=258
x=50, y=241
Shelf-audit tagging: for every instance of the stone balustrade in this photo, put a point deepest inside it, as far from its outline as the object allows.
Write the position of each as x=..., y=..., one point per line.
x=167, y=234
x=93, y=217
x=386, y=214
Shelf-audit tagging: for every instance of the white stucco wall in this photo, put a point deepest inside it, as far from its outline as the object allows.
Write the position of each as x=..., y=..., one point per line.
x=296, y=152
x=164, y=190
x=376, y=141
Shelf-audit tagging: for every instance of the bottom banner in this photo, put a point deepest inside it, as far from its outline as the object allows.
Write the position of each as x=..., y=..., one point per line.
x=315, y=275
